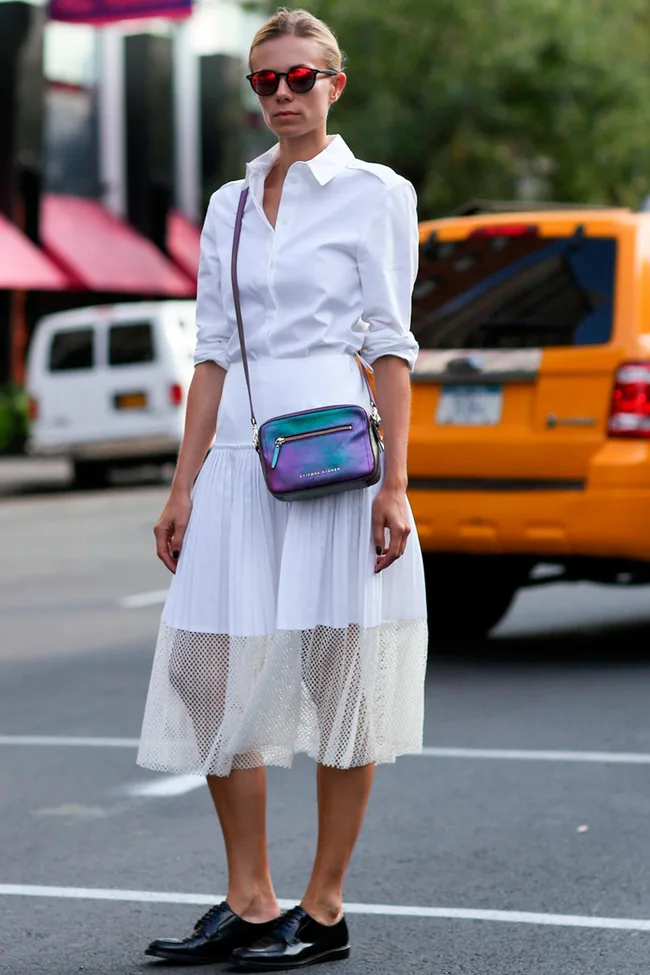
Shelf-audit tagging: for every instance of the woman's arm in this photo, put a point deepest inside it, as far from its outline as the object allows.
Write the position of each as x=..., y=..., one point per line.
x=393, y=395
x=388, y=262
x=200, y=423
x=210, y=360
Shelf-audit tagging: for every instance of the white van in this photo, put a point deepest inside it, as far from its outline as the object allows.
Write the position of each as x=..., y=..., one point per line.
x=108, y=384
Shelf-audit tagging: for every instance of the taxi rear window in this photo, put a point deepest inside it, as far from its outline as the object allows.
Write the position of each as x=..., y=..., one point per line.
x=507, y=287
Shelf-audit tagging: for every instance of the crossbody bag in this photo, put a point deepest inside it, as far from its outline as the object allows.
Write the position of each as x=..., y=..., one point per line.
x=312, y=453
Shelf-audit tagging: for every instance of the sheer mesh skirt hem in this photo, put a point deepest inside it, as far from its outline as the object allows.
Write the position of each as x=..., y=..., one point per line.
x=346, y=697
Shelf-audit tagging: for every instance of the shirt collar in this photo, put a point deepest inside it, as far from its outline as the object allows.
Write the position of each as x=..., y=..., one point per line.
x=325, y=166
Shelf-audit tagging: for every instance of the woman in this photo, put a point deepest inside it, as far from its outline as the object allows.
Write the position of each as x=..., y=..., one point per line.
x=291, y=626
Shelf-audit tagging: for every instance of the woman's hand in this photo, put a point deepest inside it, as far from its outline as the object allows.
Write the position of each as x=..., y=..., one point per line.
x=170, y=528
x=389, y=511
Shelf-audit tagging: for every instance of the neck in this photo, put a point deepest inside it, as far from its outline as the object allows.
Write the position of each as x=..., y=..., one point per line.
x=301, y=149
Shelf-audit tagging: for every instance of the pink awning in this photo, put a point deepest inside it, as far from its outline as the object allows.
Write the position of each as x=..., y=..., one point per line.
x=104, y=253
x=184, y=243
x=23, y=267
x=107, y=11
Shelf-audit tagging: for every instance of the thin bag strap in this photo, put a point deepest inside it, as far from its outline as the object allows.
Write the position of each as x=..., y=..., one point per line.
x=235, y=292
x=374, y=413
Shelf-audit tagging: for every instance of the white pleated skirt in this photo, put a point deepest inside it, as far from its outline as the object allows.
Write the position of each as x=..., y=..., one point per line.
x=277, y=636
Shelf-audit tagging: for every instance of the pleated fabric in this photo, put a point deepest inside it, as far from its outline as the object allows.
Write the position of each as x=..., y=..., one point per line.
x=277, y=636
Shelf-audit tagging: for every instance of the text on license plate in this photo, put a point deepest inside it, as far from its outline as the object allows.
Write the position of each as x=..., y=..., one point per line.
x=470, y=406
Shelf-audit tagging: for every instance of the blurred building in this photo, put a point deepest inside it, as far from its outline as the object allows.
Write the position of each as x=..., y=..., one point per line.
x=112, y=139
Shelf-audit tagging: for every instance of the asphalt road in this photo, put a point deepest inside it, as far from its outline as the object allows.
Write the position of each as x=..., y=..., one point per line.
x=557, y=848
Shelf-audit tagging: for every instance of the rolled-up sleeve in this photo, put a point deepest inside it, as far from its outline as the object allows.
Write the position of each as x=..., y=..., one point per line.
x=213, y=329
x=388, y=263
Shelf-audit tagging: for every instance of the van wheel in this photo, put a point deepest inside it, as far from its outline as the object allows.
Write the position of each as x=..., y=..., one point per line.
x=467, y=596
x=90, y=474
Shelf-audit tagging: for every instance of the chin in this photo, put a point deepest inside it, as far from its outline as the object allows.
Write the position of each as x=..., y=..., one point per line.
x=290, y=127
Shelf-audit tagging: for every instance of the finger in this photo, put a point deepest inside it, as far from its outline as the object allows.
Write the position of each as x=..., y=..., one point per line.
x=176, y=540
x=392, y=551
x=379, y=537
x=404, y=540
x=379, y=534
x=163, y=550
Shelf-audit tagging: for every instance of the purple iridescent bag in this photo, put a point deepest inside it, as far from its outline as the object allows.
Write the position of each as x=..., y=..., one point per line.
x=312, y=453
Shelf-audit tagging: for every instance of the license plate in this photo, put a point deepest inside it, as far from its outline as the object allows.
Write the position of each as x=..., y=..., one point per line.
x=131, y=401
x=470, y=406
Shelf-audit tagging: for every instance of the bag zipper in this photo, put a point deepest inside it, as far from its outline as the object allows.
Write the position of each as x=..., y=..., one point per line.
x=304, y=436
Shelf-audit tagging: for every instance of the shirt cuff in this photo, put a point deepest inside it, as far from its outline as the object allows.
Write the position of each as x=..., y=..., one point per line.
x=407, y=350
x=219, y=357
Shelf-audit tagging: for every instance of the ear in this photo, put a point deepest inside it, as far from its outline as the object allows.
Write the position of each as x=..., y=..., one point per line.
x=337, y=88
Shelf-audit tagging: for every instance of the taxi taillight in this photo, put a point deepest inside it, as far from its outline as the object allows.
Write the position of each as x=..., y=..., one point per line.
x=629, y=414
x=32, y=409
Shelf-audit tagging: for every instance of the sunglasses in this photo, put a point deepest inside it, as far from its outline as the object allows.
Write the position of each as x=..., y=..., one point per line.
x=299, y=79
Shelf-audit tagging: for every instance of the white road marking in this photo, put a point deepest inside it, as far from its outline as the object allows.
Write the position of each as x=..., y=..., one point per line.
x=390, y=910
x=527, y=755
x=144, y=599
x=68, y=741
x=169, y=785
x=516, y=754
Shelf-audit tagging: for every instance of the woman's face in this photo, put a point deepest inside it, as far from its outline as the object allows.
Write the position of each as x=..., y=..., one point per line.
x=287, y=114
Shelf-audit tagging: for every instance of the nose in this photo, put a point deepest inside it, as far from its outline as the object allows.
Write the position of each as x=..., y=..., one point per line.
x=283, y=89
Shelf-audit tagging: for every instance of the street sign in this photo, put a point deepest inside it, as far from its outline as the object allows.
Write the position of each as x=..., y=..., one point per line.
x=108, y=11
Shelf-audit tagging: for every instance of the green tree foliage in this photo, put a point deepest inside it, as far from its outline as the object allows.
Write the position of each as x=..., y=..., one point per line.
x=499, y=99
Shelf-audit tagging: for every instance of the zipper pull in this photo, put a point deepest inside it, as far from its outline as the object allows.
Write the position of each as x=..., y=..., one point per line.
x=276, y=453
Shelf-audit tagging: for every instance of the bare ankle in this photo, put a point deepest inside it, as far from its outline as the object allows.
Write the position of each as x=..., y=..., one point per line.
x=257, y=904
x=325, y=910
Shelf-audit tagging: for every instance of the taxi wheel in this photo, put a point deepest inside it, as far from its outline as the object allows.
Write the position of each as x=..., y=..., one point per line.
x=467, y=598
x=88, y=474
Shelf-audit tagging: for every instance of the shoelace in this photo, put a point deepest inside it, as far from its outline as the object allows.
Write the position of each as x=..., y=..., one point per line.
x=289, y=924
x=213, y=912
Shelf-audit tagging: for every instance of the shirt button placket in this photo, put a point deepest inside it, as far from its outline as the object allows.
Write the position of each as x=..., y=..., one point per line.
x=273, y=309
x=285, y=215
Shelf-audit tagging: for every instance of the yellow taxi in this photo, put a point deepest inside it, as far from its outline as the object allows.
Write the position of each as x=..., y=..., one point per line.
x=529, y=454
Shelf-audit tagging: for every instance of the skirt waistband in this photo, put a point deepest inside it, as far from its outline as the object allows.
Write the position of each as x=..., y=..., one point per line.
x=280, y=386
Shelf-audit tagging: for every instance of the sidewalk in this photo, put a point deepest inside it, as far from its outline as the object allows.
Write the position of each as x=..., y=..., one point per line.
x=22, y=473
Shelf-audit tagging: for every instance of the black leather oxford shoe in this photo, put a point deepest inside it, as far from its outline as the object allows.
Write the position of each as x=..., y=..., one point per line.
x=213, y=939
x=295, y=940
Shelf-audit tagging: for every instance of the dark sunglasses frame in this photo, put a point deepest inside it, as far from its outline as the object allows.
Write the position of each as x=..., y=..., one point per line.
x=285, y=74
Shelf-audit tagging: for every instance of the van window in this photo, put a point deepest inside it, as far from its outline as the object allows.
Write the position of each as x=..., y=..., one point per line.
x=130, y=343
x=514, y=290
x=72, y=349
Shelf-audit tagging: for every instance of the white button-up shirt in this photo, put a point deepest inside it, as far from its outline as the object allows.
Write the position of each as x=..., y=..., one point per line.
x=336, y=274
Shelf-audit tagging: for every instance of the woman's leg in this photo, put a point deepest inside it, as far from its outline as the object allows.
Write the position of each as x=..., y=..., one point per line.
x=342, y=800
x=240, y=801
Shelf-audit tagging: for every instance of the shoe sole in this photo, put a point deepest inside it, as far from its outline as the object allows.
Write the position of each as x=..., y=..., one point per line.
x=336, y=954
x=185, y=959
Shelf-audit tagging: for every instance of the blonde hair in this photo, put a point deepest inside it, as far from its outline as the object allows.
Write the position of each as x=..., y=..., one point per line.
x=300, y=23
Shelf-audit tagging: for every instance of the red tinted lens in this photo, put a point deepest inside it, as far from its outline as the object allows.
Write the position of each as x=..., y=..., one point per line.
x=301, y=80
x=264, y=82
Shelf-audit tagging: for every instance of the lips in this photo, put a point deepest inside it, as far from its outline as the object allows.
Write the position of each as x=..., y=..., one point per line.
x=286, y=114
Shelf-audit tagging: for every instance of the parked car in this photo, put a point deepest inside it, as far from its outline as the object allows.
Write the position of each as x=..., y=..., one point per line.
x=108, y=384
x=530, y=436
